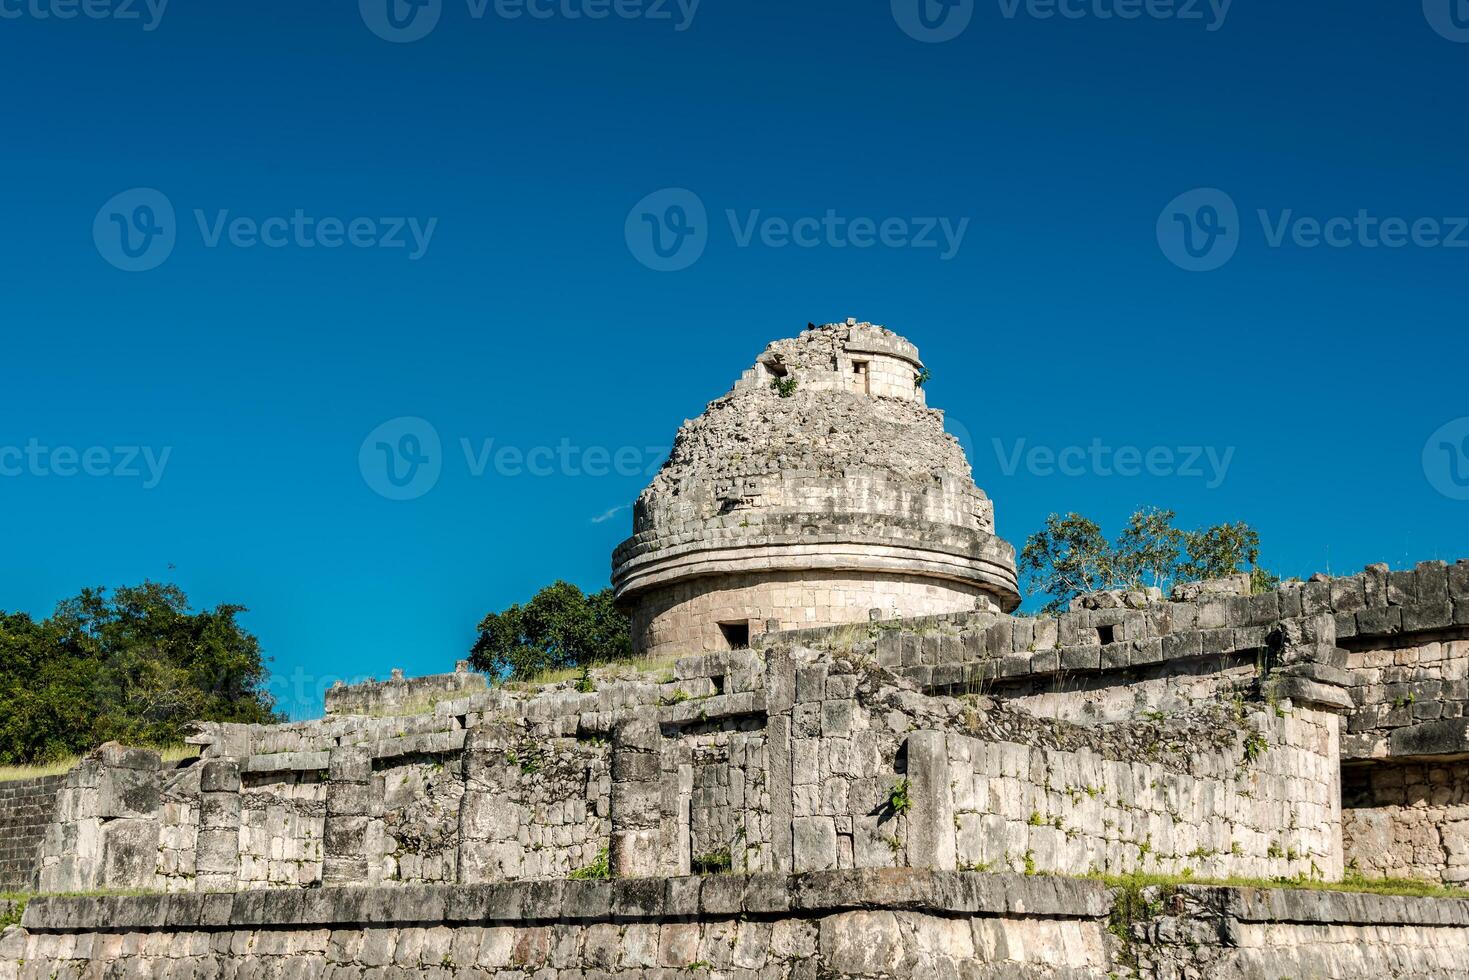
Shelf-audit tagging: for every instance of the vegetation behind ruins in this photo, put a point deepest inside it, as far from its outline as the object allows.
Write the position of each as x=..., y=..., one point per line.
x=560, y=628
x=135, y=665
x=1071, y=555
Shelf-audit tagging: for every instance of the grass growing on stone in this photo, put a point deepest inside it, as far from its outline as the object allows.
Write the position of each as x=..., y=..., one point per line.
x=599, y=869
x=632, y=669
x=714, y=863
x=12, y=908
x=59, y=767
x=1411, y=887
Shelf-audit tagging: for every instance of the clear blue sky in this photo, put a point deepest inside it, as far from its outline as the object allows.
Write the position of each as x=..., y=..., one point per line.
x=1060, y=319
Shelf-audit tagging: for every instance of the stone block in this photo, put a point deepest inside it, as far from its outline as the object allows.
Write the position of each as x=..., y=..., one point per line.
x=815, y=844
x=811, y=681
x=1081, y=658
x=1150, y=651
x=1425, y=615
x=219, y=776
x=115, y=756
x=1215, y=642
x=1348, y=594
x=1315, y=598
x=127, y=792
x=1433, y=581
x=350, y=764
x=1380, y=620
x=1449, y=737
x=129, y=852
x=1458, y=577
x=1178, y=646
x=1402, y=588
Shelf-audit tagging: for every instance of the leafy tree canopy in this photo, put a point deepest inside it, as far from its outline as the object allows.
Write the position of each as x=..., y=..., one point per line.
x=1071, y=555
x=559, y=627
x=135, y=666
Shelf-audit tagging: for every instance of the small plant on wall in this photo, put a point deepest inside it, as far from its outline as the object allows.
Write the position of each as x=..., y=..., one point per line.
x=784, y=387
x=899, y=800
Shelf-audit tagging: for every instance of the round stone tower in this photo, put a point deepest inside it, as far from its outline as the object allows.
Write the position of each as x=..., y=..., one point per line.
x=818, y=489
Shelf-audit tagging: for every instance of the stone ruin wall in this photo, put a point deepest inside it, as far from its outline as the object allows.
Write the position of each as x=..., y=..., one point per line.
x=1204, y=737
x=858, y=925
x=785, y=760
x=26, y=809
x=1277, y=814
x=1050, y=730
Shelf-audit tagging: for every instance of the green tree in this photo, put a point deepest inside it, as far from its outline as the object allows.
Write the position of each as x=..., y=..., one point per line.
x=1071, y=555
x=559, y=627
x=136, y=665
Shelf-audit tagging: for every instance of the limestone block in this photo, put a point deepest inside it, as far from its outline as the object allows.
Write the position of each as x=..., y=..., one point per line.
x=129, y=852
x=128, y=791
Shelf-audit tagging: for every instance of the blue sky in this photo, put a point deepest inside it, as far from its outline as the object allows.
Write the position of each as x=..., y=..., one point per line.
x=1066, y=156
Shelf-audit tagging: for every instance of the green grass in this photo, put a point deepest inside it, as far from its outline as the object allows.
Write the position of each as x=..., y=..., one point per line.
x=1413, y=887
x=633, y=669
x=58, y=767
x=599, y=870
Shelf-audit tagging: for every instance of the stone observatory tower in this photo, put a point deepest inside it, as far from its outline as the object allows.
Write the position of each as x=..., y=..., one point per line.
x=819, y=489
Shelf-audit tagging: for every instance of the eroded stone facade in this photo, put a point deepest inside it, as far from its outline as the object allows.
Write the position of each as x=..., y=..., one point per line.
x=817, y=490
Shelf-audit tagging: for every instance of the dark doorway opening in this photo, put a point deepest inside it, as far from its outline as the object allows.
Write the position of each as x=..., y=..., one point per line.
x=737, y=635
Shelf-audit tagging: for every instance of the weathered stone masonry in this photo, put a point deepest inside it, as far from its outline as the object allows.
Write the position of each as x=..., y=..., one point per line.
x=833, y=924
x=26, y=808
x=875, y=769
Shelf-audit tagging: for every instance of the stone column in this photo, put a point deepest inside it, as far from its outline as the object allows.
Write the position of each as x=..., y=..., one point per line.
x=490, y=819
x=217, y=858
x=780, y=694
x=129, y=791
x=349, y=785
x=930, y=818
x=643, y=841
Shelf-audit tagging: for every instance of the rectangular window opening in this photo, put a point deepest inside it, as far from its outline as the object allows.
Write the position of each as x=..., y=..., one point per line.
x=1107, y=634
x=860, y=369
x=736, y=635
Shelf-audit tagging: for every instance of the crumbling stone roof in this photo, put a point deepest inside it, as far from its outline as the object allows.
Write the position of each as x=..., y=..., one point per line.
x=752, y=435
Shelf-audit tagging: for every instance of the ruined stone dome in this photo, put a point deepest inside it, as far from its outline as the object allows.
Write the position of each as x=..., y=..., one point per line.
x=819, y=488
